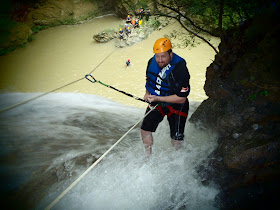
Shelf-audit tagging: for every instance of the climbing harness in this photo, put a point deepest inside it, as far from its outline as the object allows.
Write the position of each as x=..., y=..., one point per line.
x=95, y=163
x=93, y=80
x=171, y=111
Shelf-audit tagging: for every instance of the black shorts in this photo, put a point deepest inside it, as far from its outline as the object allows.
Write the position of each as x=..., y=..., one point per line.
x=176, y=122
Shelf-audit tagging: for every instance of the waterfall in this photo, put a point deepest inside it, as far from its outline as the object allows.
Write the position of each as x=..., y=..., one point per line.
x=48, y=143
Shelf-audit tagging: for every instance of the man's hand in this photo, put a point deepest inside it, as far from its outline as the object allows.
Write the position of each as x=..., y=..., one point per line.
x=146, y=95
x=166, y=99
x=152, y=98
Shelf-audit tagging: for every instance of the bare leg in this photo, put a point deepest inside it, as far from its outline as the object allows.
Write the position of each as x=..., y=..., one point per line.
x=147, y=139
x=177, y=144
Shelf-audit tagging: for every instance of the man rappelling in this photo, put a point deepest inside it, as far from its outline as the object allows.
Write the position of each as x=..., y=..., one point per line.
x=167, y=85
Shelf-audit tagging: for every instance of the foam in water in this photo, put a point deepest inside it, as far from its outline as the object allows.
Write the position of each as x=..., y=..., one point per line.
x=57, y=131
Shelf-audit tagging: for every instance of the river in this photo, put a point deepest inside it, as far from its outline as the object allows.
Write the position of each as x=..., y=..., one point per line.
x=63, y=54
x=47, y=143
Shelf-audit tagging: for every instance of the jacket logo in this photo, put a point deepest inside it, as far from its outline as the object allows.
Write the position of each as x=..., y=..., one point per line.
x=161, y=74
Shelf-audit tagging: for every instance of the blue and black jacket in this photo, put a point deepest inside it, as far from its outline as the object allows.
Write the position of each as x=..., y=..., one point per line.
x=170, y=80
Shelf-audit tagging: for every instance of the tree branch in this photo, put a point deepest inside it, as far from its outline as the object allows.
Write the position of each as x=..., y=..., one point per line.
x=192, y=23
x=195, y=34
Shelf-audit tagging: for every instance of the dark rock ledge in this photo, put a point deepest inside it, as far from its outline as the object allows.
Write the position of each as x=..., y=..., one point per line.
x=243, y=107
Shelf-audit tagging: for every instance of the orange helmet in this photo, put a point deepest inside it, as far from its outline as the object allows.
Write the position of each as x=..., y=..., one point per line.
x=162, y=45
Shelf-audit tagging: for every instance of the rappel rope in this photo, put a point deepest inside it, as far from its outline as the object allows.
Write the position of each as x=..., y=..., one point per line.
x=39, y=96
x=93, y=80
x=95, y=163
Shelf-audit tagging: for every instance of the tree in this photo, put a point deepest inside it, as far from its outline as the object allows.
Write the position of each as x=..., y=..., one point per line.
x=212, y=17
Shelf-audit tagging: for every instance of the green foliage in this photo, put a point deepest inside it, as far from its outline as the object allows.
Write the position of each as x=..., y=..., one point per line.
x=31, y=38
x=7, y=50
x=70, y=21
x=185, y=39
x=142, y=3
x=35, y=29
x=153, y=23
x=260, y=93
x=205, y=13
x=6, y=25
x=253, y=96
x=264, y=93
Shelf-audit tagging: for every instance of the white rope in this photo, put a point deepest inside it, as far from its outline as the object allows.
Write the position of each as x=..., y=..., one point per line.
x=39, y=96
x=43, y=94
x=95, y=163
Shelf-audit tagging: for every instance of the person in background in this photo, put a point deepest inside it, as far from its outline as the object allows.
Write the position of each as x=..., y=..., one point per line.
x=133, y=22
x=127, y=62
x=126, y=26
x=121, y=34
x=141, y=13
x=167, y=85
x=127, y=31
x=148, y=13
x=136, y=24
x=128, y=19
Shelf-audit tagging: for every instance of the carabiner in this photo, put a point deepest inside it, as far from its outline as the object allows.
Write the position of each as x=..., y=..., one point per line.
x=89, y=75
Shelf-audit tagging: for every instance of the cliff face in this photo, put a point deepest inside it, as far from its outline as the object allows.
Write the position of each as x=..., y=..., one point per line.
x=25, y=18
x=53, y=12
x=243, y=107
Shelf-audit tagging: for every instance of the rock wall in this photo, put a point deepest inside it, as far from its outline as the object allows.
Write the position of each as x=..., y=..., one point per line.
x=26, y=18
x=244, y=108
x=53, y=12
x=23, y=19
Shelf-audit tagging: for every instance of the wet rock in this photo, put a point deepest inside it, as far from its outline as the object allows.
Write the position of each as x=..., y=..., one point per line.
x=17, y=35
x=104, y=36
x=51, y=13
x=236, y=135
x=252, y=158
x=30, y=193
x=243, y=108
x=137, y=35
x=37, y=15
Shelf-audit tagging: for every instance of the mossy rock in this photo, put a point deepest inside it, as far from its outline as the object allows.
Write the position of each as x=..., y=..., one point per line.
x=106, y=35
x=14, y=35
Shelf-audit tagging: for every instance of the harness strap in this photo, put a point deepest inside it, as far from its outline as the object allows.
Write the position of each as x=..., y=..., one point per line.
x=171, y=111
x=174, y=111
x=159, y=108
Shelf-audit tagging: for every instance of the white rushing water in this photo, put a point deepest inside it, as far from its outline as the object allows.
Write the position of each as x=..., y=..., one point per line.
x=46, y=144
x=59, y=135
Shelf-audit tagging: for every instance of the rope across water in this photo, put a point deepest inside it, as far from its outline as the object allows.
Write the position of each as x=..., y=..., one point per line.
x=101, y=157
x=58, y=88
